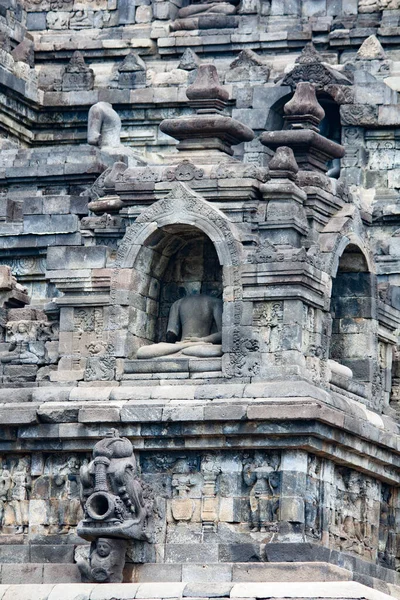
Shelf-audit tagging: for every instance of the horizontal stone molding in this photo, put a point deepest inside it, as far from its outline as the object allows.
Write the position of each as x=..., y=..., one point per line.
x=129, y=591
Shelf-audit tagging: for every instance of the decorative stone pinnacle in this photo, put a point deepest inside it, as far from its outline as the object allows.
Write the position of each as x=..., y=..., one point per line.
x=206, y=91
x=247, y=58
x=189, y=60
x=77, y=63
x=371, y=49
x=131, y=63
x=304, y=110
x=283, y=163
x=309, y=55
x=209, y=129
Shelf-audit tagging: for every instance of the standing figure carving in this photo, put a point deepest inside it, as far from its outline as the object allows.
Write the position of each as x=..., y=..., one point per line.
x=21, y=482
x=5, y=485
x=114, y=509
x=264, y=480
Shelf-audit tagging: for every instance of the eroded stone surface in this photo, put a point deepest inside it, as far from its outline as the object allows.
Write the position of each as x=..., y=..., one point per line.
x=281, y=443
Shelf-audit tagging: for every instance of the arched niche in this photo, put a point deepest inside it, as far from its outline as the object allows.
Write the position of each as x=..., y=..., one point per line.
x=179, y=245
x=354, y=341
x=180, y=260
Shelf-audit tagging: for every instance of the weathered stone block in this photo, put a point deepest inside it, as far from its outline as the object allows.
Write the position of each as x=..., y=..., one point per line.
x=62, y=553
x=75, y=258
x=239, y=552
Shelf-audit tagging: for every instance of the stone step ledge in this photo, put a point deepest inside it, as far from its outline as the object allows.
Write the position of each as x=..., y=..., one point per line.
x=262, y=393
x=160, y=591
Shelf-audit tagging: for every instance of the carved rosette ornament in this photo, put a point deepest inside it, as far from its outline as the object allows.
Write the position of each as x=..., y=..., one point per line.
x=115, y=511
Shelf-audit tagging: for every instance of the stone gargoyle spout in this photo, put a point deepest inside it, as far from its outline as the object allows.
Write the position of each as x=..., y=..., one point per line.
x=111, y=494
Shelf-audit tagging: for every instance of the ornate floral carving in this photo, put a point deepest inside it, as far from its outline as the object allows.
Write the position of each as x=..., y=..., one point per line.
x=359, y=114
x=244, y=360
x=184, y=171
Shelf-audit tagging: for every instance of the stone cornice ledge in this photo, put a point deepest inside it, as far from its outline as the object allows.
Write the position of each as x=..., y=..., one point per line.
x=121, y=591
x=270, y=415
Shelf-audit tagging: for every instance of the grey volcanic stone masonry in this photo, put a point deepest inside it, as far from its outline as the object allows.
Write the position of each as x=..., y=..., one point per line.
x=338, y=589
x=247, y=152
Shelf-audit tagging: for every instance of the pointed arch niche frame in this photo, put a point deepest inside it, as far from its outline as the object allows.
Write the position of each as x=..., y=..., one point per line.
x=185, y=207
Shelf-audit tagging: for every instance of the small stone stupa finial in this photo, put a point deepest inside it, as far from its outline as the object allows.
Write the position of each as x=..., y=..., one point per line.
x=208, y=129
x=283, y=164
x=309, y=55
x=189, y=60
x=303, y=110
x=206, y=92
x=302, y=115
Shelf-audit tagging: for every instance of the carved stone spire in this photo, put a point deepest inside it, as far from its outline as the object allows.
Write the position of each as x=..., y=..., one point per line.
x=208, y=130
x=371, y=49
x=303, y=113
x=132, y=71
x=77, y=75
x=304, y=110
x=283, y=164
x=206, y=92
x=309, y=55
x=189, y=60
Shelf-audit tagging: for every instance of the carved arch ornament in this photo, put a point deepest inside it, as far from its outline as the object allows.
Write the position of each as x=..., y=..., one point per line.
x=186, y=207
x=183, y=206
x=352, y=231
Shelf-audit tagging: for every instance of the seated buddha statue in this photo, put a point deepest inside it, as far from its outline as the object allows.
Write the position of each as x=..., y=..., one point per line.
x=205, y=14
x=207, y=7
x=190, y=323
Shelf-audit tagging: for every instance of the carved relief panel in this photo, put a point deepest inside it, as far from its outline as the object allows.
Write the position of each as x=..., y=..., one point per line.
x=40, y=493
x=89, y=340
x=354, y=523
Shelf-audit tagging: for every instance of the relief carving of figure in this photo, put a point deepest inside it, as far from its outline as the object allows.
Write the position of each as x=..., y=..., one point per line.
x=387, y=529
x=5, y=486
x=264, y=480
x=20, y=334
x=16, y=516
x=189, y=331
x=355, y=525
x=65, y=502
x=27, y=339
x=312, y=497
x=105, y=563
x=182, y=506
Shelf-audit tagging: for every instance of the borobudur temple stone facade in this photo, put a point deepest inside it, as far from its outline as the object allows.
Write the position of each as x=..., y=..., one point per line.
x=199, y=299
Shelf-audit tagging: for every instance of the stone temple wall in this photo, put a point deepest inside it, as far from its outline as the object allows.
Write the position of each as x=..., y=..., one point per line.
x=247, y=154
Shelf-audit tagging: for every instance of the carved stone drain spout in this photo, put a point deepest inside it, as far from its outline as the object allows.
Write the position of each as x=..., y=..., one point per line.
x=114, y=508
